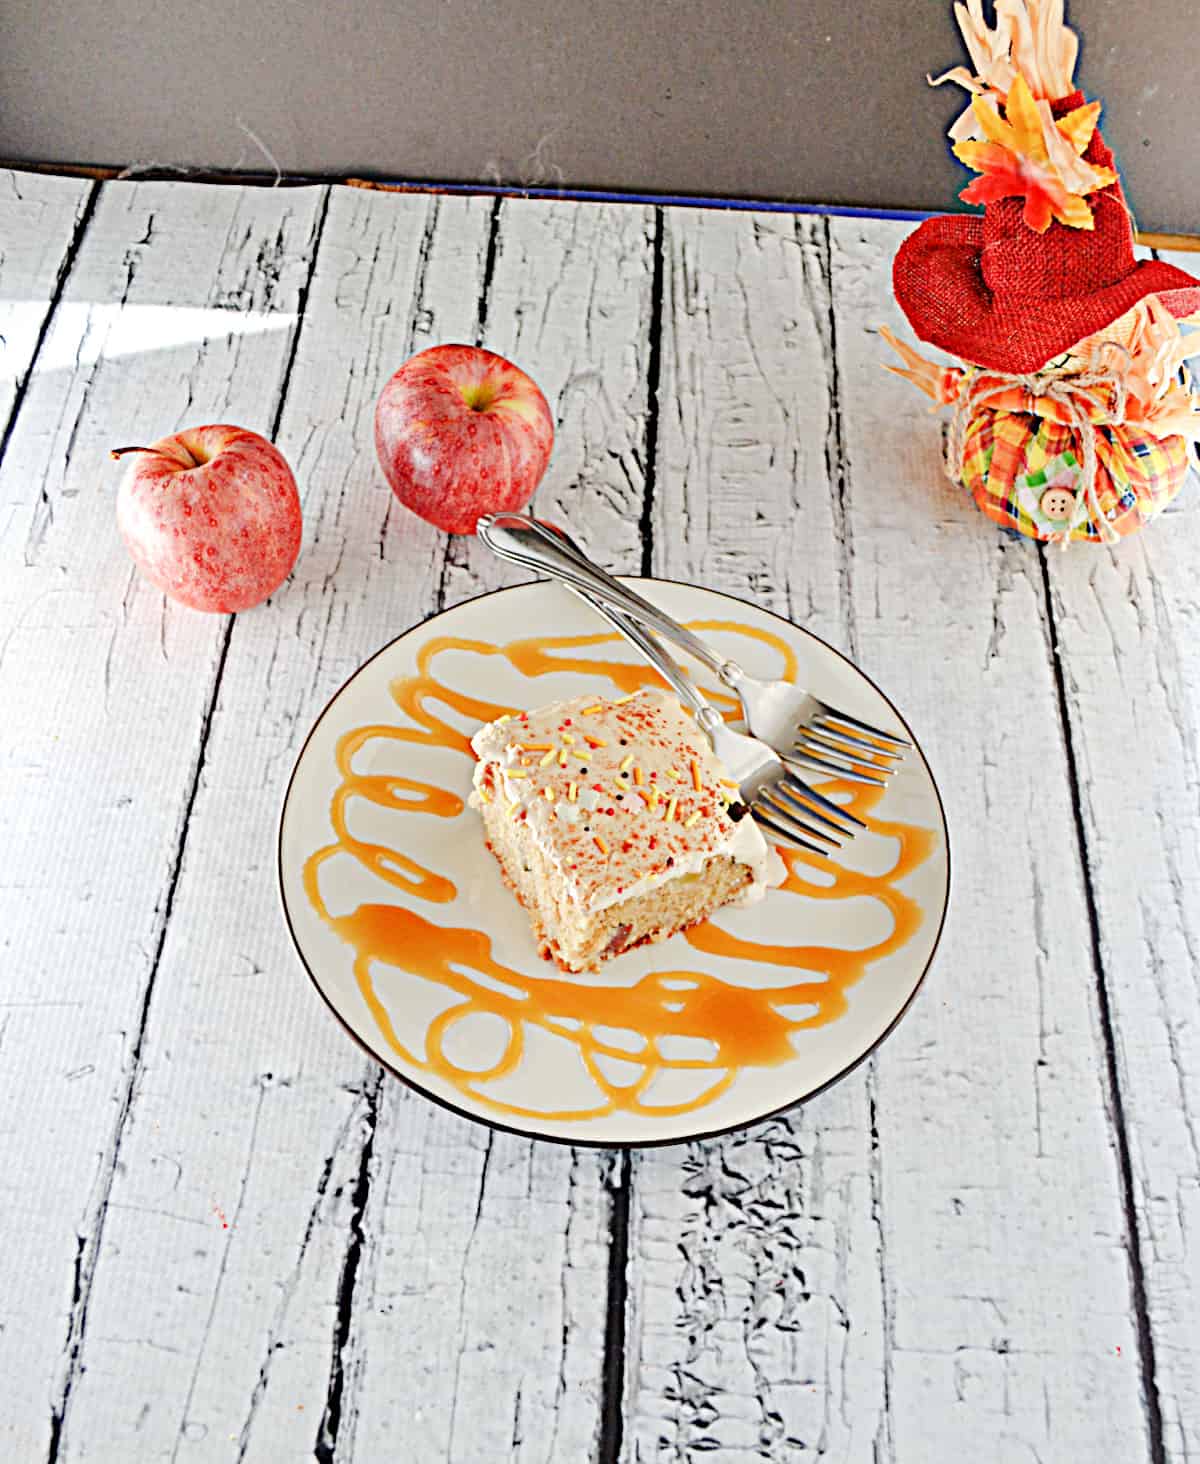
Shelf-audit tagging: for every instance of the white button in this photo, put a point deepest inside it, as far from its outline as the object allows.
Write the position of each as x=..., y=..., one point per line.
x=1058, y=504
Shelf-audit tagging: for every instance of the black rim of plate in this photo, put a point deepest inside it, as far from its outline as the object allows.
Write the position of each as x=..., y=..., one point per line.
x=583, y=1142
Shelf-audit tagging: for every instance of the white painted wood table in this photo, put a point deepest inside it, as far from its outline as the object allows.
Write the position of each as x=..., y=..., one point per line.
x=225, y=1234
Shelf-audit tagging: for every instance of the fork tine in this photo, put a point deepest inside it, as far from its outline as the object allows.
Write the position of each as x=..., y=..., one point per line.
x=796, y=787
x=855, y=754
x=790, y=815
x=835, y=756
x=786, y=834
x=866, y=727
x=839, y=770
x=791, y=801
x=831, y=729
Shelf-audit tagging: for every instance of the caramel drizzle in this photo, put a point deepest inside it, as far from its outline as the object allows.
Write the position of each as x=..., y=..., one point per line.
x=744, y=1026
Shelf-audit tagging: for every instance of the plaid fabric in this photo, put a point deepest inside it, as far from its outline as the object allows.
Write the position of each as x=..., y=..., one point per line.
x=1011, y=458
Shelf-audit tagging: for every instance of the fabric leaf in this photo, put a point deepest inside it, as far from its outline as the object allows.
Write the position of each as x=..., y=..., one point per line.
x=1026, y=155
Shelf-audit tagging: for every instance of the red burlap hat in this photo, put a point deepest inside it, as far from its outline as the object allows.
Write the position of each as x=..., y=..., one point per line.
x=993, y=291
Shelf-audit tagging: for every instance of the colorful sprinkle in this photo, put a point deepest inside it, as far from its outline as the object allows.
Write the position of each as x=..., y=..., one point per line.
x=696, y=776
x=599, y=843
x=548, y=758
x=548, y=793
x=626, y=763
x=572, y=791
x=671, y=807
x=562, y=758
x=587, y=711
x=595, y=741
x=638, y=776
x=675, y=773
x=513, y=774
x=692, y=818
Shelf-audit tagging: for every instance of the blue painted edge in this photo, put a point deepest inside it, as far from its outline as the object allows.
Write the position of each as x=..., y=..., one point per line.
x=681, y=200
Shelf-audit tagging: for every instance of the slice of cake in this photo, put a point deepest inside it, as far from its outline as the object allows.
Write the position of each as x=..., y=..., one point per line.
x=614, y=824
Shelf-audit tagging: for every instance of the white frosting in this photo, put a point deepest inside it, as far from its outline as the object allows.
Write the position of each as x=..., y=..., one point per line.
x=620, y=797
x=746, y=846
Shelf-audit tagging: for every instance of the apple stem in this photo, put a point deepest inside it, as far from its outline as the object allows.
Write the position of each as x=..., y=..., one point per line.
x=119, y=452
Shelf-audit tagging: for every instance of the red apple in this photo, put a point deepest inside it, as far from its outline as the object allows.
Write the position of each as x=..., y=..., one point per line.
x=461, y=431
x=211, y=516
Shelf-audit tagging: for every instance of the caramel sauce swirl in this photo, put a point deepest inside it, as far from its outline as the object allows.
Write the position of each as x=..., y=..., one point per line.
x=742, y=1027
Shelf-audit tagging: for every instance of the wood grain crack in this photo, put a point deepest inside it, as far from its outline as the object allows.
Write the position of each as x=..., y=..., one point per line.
x=314, y=248
x=883, y=1446
x=464, y=1289
x=654, y=386
x=87, y=1254
x=65, y=267
x=483, y=1174
x=329, y=1430
x=612, y=1385
x=816, y=254
x=837, y=466
x=420, y=318
x=1116, y=1104
x=43, y=518
x=489, y=269
x=292, y=1281
x=182, y=1432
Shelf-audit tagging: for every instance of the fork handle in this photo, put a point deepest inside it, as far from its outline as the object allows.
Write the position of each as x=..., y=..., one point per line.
x=638, y=636
x=666, y=665
x=524, y=541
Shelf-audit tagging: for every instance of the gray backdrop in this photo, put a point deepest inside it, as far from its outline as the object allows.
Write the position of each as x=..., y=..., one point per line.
x=821, y=102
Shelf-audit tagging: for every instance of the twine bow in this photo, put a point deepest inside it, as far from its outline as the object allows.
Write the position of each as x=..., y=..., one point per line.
x=1075, y=391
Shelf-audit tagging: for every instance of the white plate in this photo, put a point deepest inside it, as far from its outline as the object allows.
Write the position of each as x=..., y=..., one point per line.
x=428, y=961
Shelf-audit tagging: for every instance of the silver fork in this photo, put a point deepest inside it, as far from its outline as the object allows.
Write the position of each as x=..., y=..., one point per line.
x=796, y=724
x=776, y=796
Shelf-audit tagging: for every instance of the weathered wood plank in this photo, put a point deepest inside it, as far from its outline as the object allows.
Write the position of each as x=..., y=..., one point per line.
x=979, y=1133
x=570, y=302
x=181, y=304
x=1125, y=624
x=266, y=1115
x=39, y=222
x=1010, y=1329
x=365, y=1290
x=746, y=432
x=485, y=1275
x=755, y=1318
